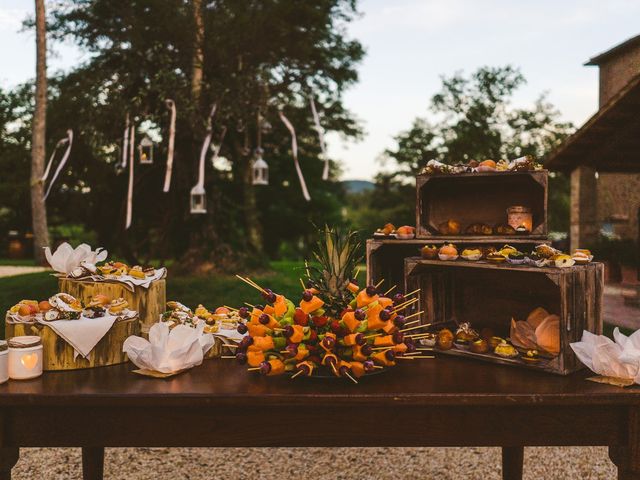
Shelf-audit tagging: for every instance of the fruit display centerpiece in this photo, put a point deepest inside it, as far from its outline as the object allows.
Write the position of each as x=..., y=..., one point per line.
x=337, y=329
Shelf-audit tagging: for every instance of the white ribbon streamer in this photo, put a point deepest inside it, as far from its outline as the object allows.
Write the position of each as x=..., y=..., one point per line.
x=205, y=147
x=132, y=142
x=320, y=130
x=125, y=144
x=63, y=161
x=172, y=135
x=294, y=152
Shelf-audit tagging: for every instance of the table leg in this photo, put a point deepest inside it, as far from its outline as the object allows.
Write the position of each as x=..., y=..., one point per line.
x=92, y=463
x=627, y=458
x=8, y=458
x=512, y=458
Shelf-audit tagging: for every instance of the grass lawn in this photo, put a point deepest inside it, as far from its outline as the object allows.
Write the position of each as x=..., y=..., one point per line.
x=210, y=291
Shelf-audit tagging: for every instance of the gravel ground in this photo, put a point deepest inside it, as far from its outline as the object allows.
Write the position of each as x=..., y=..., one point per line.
x=265, y=464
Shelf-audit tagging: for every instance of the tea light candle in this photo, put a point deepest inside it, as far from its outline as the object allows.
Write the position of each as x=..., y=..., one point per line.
x=4, y=368
x=25, y=357
x=518, y=216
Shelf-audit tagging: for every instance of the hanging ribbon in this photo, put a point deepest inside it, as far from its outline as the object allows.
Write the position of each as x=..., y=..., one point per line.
x=68, y=141
x=132, y=141
x=171, y=105
x=125, y=144
x=320, y=130
x=294, y=152
x=205, y=147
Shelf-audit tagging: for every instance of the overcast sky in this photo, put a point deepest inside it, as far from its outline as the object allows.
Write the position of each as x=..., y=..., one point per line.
x=411, y=43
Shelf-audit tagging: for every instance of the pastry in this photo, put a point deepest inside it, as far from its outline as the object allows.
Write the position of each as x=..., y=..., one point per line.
x=487, y=166
x=479, y=229
x=465, y=333
x=563, y=261
x=479, y=346
x=548, y=334
x=507, y=249
x=149, y=271
x=531, y=356
x=118, y=305
x=505, y=350
x=495, y=341
x=406, y=232
x=522, y=334
x=504, y=229
x=496, y=257
x=448, y=252
x=536, y=317
x=516, y=258
x=444, y=340
x=98, y=300
x=429, y=252
x=581, y=256
x=137, y=272
x=471, y=254
x=450, y=227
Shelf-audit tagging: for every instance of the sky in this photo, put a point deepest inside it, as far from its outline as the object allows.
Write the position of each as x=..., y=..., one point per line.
x=410, y=44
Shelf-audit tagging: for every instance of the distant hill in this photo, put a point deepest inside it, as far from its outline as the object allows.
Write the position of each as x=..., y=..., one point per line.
x=357, y=186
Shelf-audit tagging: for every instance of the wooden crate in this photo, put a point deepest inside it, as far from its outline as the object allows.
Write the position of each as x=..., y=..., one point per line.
x=470, y=198
x=59, y=355
x=385, y=257
x=489, y=295
x=148, y=302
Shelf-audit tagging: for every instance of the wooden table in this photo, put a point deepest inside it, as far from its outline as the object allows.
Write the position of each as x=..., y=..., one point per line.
x=442, y=402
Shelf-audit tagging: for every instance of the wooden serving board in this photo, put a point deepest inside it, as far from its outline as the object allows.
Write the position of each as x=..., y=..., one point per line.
x=148, y=302
x=58, y=354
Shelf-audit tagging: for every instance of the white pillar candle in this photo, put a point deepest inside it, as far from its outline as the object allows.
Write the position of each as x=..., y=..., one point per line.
x=4, y=368
x=25, y=357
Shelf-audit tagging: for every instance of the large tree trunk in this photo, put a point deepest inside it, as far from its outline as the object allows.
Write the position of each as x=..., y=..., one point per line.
x=38, y=207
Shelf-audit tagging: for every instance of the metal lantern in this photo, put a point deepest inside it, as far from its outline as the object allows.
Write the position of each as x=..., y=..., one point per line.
x=145, y=149
x=198, y=199
x=260, y=171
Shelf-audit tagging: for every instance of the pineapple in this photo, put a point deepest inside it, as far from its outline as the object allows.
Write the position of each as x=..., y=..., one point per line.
x=337, y=252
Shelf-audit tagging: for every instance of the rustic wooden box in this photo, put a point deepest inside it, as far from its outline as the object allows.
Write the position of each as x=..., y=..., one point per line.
x=148, y=302
x=484, y=197
x=59, y=355
x=489, y=295
x=385, y=257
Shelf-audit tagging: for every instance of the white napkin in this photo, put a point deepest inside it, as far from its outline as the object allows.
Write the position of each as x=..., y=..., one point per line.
x=82, y=334
x=65, y=259
x=619, y=358
x=167, y=350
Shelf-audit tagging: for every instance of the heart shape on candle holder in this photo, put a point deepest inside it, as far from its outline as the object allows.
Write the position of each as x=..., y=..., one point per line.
x=29, y=360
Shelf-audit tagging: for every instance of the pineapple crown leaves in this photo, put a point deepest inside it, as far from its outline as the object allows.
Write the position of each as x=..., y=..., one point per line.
x=337, y=253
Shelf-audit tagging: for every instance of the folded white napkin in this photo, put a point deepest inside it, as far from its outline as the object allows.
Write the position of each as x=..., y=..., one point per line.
x=82, y=334
x=168, y=350
x=619, y=358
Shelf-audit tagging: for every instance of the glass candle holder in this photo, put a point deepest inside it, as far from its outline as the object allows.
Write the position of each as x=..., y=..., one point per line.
x=520, y=217
x=25, y=357
x=4, y=358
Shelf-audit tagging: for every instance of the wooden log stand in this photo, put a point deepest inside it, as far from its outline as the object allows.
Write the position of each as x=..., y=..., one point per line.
x=59, y=355
x=148, y=302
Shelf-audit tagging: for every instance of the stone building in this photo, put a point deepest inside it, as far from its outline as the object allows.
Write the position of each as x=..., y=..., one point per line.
x=603, y=156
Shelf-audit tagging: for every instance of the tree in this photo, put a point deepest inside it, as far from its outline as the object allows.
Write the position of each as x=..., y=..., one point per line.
x=257, y=57
x=38, y=206
x=475, y=120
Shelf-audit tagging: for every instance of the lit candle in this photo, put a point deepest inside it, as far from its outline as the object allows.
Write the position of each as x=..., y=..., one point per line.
x=25, y=357
x=4, y=368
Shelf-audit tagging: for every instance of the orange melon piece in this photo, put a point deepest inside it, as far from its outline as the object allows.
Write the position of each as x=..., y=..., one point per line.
x=263, y=343
x=312, y=305
x=257, y=329
x=362, y=299
x=277, y=367
x=280, y=306
x=384, y=341
x=350, y=321
x=385, y=302
x=255, y=358
x=269, y=310
x=357, y=368
x=381, y=359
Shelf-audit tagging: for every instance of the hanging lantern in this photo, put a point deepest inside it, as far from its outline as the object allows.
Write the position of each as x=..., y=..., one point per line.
x=260, y=169
x=145, y=150
x=198, y=200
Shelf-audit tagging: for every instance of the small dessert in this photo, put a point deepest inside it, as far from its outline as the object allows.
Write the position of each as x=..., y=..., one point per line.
x=495, y=341
x=479, y=346
x=487, y=166
x=531, y=356
x=496, y=257
x=448, y=252
x=137, y=272
x=149, y=271
x=406, y=232
x=479, y=229
x=64, y=306
x=582, y=256
x=450, y=227
x=444, y=341
x=548, y=334
x=502, y=165
x=388, y=230
x=516, y=258
x=507, y=249
x=472, y=254
x=504, y=229
x=563, y=261
x=466, y=334
x=486, y=333
x=118, y=305
x=505, y=350
x=429, y=252
x=546, y=251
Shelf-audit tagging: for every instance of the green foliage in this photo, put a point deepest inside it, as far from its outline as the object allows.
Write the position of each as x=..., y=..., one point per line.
x=258, y=56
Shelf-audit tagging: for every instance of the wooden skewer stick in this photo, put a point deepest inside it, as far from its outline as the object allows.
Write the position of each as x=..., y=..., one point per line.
x=375, y=335
x=379, y=283
x=228, y=356
x=404, y=358
x=378, y=367
x=351, y=378
x=411, y=293
x=404, y=305
x=230, y=345
x=296, y=374
x=389, y=291
x=355, y=275
x=230, y=308
x=334, y=368
x=412, y=322
x=382, y=348
x=249, y=305
x=416, y=327
x=421, y=356
x=253, y=369
x=414, y=314
x=303, y=286
x=251, y=284
x=419, y=335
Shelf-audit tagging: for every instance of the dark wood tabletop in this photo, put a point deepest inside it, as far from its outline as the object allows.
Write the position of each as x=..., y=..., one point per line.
x=441, y=402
